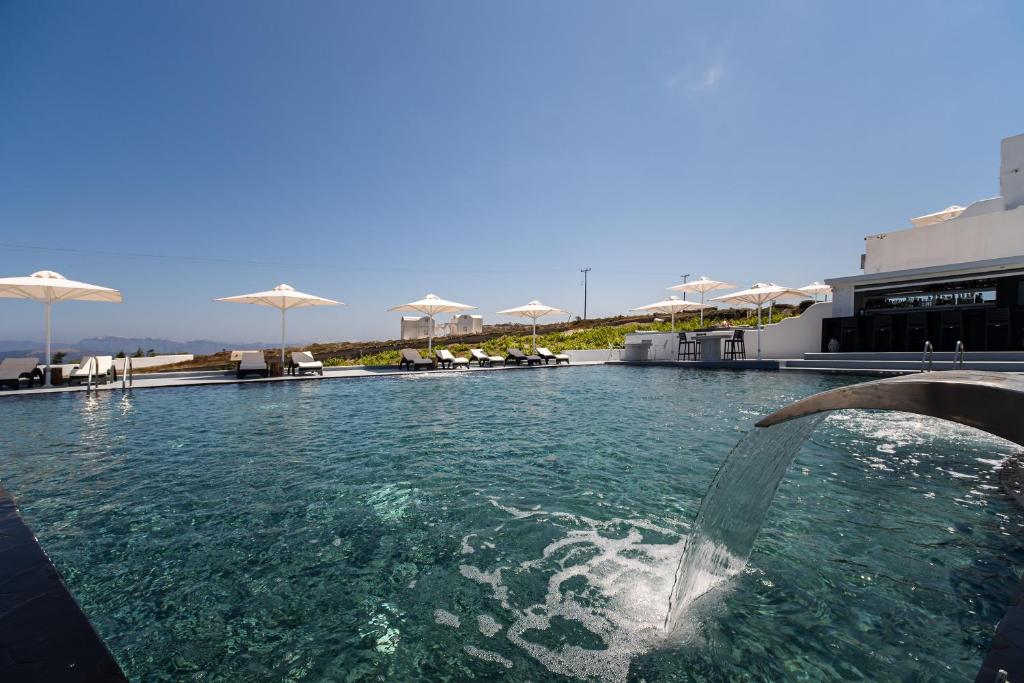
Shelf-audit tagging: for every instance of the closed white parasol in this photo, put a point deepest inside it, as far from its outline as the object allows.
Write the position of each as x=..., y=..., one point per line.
x=49, y=287
x=281, y=297
x=431, y=305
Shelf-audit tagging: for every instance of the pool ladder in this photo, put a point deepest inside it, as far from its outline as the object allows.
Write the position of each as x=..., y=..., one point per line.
x=958, y=356
x=127, y=375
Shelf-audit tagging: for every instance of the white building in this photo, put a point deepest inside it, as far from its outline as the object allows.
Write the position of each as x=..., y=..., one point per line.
x=466, y=324
x=418, y=327
x=954, y=275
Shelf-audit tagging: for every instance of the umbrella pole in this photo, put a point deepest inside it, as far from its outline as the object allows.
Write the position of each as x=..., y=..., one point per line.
x=282, y=339
x=430, y=334
x=673, y=320
x=759, y=331
x=535, y=335
x=46, y=378
x=702, y=309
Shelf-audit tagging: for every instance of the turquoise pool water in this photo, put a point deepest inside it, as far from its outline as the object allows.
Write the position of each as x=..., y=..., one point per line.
x=522, y=524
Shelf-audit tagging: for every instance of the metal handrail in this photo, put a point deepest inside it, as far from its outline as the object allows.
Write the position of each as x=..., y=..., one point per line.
x=127, y=374
x=926, y=356
x=92, y=368
x=958, y=354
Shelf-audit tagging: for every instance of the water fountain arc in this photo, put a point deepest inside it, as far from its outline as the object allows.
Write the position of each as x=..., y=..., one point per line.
x=989, y=401
x=737, y=502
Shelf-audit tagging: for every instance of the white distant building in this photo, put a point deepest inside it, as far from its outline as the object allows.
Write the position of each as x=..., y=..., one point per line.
x=955, y=275
x=467, y=324
x=418, y=327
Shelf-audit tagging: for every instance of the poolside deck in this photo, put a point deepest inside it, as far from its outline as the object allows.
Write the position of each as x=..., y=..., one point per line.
x=213, y=377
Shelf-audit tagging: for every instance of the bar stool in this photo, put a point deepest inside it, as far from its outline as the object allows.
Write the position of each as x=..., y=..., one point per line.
x=735, y=349
x=687, y=348
x=997, y=329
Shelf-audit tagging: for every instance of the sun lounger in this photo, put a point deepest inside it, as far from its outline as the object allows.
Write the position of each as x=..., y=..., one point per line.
x=100, y=367
x=447, y=360
x=412, y=360
x=548, y=356
x=13, y=371
x=252, y=363
x=303, y=361
x=236, y=355
x=518, y=356
x=483, y=359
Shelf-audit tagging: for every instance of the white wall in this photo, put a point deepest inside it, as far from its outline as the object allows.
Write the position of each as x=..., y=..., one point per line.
x=791, y=338
x=580, y=356
x=842, y=300
x=1011, y=172
x=153, y=361
x=960, y=240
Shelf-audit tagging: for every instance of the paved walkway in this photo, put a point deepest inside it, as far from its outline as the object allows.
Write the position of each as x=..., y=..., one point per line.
x=205, y=377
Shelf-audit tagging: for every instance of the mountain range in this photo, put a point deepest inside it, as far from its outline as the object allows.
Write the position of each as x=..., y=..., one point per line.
x=112, y=345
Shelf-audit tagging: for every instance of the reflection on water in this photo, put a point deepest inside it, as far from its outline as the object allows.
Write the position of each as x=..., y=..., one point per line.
x=516, y=525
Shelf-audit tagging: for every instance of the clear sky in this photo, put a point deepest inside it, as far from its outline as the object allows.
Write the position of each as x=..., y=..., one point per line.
x=374, y=152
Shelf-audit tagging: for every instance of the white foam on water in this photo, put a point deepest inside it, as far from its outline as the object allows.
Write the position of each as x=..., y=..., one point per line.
x=467, y=549
x=604, y=578
x=488, y=656
x=446, y=618
x=487, y=624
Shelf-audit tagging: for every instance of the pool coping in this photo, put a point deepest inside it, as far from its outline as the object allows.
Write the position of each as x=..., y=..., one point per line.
x=223, y=377
x=44, y=634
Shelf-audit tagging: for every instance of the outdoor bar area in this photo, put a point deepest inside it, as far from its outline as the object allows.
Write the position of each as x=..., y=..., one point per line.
x=954, y=280
x=980, y=305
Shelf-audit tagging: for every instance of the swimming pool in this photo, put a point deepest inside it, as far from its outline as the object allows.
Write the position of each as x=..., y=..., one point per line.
x=515, y=524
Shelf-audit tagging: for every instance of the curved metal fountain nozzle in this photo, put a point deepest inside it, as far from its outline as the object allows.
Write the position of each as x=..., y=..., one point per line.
x=990, y=401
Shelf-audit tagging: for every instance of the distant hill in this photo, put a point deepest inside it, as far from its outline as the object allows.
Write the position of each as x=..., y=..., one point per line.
x=110, y=346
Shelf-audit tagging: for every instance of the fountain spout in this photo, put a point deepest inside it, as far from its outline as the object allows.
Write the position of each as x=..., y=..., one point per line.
x=990, y=401
x=731, y=514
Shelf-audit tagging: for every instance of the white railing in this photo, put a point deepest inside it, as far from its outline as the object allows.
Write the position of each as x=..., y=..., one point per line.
x=127, y=374
x=926, y=356
x=958, y=354
x=92, y=369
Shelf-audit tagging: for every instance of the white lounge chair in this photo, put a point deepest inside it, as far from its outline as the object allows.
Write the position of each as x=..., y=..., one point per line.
x=101, y=367
x=482, y=358
x=13, y=371
x=548, y=356
x=446, y=359
x=303, y=361
x=252, y=362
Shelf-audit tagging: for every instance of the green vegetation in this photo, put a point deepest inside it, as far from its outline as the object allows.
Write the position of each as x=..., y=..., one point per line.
x=558, y=342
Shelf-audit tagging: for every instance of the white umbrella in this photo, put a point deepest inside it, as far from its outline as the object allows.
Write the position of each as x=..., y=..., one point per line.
x=758, y=295
x=50, y=287
x=534, y=310
x=671, y=306
x=702, y=286
x=431, y=305
x=816, y=288
x=282, y=297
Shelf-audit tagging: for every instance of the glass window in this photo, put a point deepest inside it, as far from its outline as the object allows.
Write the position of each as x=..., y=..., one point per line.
x=940, y=295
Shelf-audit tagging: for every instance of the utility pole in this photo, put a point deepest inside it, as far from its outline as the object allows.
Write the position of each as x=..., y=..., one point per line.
x=685, y=278
x=584, y=271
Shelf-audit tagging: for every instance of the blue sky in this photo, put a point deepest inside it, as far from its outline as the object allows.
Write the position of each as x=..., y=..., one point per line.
x=375, y=152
